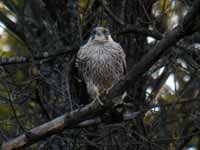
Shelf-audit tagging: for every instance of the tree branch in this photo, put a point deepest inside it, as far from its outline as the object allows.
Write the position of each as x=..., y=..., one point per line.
x=13, y=27
x=129, y=27
x=44, y=56
x=55, y=126
x=74, y=117
x=156, y=52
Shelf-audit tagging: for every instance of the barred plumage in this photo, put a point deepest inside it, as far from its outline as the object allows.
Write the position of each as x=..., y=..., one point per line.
x=101, y=62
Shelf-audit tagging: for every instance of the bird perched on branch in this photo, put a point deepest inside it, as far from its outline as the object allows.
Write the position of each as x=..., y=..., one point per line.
x=101, y=63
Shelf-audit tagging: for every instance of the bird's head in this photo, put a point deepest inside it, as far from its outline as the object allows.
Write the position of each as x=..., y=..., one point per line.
x=100, y=34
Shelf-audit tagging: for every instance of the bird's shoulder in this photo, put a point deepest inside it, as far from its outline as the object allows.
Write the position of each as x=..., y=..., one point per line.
x=117, y=48
x=84, y=46
x=113, y=44
x=82, y=54
x=120, y=55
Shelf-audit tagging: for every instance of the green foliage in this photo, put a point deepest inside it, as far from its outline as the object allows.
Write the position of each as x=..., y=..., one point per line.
x=19, y=76
x=10, y=46
x=86, y=4
x=5, y=111
x=18, y=2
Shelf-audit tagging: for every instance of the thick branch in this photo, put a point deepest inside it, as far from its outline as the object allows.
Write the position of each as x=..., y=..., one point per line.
x=156, y=52
x=69, y=119
x=73, y=118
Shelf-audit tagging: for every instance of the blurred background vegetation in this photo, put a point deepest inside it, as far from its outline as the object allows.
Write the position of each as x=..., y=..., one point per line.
x=38, y=81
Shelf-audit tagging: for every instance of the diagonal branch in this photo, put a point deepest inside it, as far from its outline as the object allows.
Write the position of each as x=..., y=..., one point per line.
x=13, y=27
x=156, y=52
x=76, y=116
x=55, y=126
x=72, y=120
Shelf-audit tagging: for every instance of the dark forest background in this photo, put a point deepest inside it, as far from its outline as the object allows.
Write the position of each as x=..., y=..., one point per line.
x=39, y=40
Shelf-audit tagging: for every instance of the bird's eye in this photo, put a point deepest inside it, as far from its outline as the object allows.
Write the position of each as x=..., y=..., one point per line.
x=93, y=32
x=106, y=32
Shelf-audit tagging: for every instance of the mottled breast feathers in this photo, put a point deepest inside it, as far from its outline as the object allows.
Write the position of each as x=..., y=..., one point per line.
x=101, y=65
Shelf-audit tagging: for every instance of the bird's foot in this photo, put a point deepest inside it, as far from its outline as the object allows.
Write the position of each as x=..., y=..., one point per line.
x=99, y=101
x=108, y=90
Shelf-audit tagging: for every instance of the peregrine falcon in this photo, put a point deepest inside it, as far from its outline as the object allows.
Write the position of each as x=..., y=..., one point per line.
x=101, y=62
